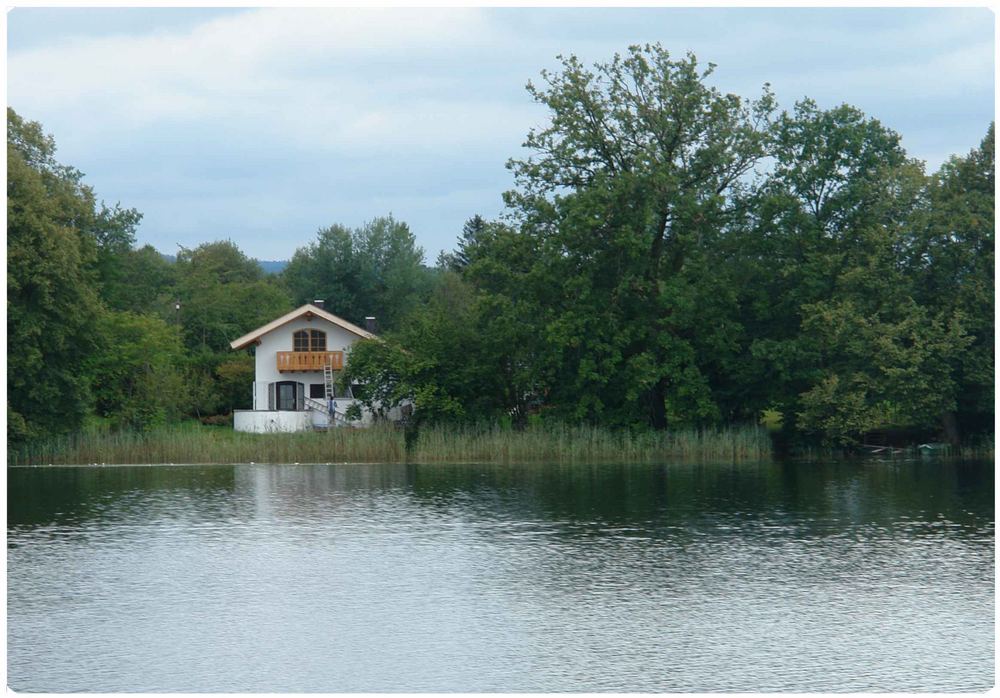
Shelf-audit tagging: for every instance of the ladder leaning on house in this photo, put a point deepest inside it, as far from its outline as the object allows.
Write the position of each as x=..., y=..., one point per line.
x=330, y=388
x=328, y=380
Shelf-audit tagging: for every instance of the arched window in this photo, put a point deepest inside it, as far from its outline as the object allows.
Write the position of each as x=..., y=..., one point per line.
x=309, y=340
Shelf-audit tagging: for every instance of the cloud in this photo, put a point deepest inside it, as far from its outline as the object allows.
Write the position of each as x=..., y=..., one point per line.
x=278, y=119
x=342, y=81
x=242, y=56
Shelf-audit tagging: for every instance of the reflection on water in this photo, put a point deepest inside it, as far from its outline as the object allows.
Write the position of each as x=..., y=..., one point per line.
x=772, y=577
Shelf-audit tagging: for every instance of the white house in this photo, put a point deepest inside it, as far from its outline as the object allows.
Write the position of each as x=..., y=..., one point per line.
x=298, y=360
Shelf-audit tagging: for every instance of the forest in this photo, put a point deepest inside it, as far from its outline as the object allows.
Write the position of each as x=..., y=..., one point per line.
x=669, y=256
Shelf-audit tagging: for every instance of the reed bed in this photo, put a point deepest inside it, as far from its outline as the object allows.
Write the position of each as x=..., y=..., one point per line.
x=385, y=444
x=565, y=444
x=215, y=445
x=982, y=450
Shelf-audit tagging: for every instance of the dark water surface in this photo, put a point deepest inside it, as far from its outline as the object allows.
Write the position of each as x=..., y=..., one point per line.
x=297, y=578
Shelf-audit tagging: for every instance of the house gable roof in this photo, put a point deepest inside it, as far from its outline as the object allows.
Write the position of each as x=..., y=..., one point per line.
x=307, y=310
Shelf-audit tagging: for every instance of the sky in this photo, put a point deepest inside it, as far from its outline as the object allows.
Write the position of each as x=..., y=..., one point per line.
x=262, y=126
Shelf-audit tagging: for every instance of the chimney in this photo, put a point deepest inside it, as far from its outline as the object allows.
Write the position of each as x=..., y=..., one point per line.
x=318, y=303
x=371, y=324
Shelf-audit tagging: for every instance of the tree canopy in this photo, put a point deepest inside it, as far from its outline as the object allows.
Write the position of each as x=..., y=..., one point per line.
x=673, y=255
x=375, y=270
x=52, y=291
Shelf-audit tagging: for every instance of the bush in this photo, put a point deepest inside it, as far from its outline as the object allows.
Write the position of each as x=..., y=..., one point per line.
x=218, y=420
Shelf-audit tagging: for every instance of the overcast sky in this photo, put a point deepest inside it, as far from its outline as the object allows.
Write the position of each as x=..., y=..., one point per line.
x=262, y=126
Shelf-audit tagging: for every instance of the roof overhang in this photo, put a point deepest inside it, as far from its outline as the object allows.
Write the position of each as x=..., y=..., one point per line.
x=306, y=311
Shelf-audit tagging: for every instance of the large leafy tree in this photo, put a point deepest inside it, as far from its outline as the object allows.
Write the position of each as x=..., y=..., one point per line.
x=472, y=351
x=878, y=370
x=223, y=294
x=327, y=269
x=821, y=219
x=626, y=194
x=146, y=282
x=52, y=299
x=452, y=358
x=839, y=340
x=375, y=270
x=431, y=360
x=113, y=230
x=951, y=261
x=140, y=367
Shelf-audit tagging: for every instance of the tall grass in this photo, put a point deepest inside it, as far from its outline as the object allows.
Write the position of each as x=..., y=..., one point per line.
x=384, y=444
x=983, y=449
x=215, y=445
x=565, y=444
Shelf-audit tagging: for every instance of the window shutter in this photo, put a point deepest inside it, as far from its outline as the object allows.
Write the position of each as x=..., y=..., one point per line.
x=270, y=396
x=300, y=396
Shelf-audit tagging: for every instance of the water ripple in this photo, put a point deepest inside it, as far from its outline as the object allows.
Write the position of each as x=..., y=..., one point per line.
x=473, y=579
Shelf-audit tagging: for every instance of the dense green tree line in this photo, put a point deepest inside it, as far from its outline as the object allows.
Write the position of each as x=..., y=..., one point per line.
x=670, y=256
x=677, y=256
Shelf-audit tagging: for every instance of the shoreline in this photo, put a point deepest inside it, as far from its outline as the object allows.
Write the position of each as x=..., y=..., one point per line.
x=479, y=444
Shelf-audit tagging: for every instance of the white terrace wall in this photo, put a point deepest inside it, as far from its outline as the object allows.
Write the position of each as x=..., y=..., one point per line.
x=269, y=421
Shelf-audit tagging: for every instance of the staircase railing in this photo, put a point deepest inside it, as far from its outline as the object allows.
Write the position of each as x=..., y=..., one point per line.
x=314, y=404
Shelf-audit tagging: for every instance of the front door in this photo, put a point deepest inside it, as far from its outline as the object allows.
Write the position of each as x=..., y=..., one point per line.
x=286, y=396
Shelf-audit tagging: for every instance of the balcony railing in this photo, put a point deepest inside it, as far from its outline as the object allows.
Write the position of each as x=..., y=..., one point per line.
x=310, y=360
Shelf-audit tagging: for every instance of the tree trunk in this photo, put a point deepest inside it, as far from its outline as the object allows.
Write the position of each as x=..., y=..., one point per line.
x=950, y=425
x=657, y=407
x=656, y=249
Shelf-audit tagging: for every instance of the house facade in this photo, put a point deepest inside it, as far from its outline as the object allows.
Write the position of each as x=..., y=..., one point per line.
x=298, y=359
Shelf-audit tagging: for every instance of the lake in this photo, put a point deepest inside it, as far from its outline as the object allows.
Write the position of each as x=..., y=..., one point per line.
x=873, y=576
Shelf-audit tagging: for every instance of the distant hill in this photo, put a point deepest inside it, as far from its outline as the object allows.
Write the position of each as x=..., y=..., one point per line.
x=269, y=266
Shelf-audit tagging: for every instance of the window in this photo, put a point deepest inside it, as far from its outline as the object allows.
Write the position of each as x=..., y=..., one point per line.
x=300, y=340
x=341, y=393
x=309, y=340
x=317, y=391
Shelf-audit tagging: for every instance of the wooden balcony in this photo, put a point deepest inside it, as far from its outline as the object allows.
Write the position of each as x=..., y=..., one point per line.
x=309, y=360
